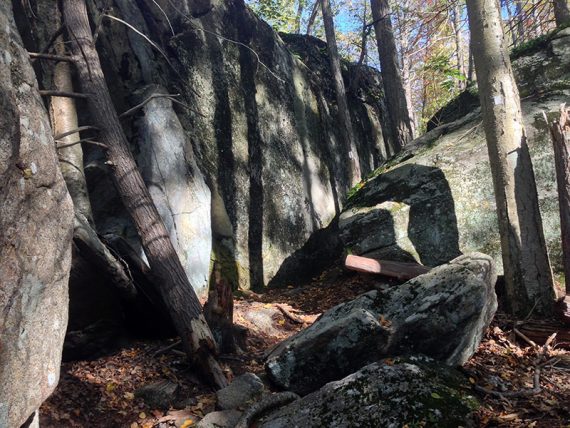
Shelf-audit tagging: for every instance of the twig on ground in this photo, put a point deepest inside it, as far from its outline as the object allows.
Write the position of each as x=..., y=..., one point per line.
x=536, y=388
x=166, y=348
x=526, y=339
x=288, y=314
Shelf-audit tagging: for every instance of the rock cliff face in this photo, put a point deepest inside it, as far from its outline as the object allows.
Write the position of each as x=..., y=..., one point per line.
x=256, y=119
x=436, y=199
x=35, y=237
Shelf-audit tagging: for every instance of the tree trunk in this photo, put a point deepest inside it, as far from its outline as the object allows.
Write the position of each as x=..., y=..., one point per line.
x=300, y=7
x=345, y=123
x=400, y=121
x=528, y=275
x=560, y=132
x=519, y=14
x=471, y=68
x=313, y=17
x=355, y=81
x=174, y=287
x=561, y=12
x=456, y=24
x=219, y=309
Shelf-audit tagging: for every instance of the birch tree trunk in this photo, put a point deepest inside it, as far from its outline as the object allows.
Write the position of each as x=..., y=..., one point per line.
x=345, y=123
x=528, y=275
x=398, y=110
x=174, y=286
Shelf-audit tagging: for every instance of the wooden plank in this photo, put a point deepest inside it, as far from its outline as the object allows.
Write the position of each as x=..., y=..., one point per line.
x=393, y=269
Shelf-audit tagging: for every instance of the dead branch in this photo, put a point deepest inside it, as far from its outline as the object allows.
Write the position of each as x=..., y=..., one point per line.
x=165, y=349
x=73, y=131
x=130, y=111
x=526, y=339
x=538, y=364
x=46, y=93
x=50, y=57
x=289, y=315
x=63, y=145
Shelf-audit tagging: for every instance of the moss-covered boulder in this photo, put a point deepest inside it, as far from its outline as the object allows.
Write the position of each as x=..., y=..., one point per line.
x=436, y=200
x=410, y=392
x=443, y=314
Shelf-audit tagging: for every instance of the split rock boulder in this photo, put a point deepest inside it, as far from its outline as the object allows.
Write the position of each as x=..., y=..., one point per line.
x=442, y=314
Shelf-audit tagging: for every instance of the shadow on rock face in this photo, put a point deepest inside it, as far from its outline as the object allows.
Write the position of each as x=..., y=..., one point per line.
x=406, y=212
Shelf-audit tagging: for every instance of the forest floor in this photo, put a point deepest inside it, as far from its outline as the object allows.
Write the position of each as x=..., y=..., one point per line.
x=100, y=392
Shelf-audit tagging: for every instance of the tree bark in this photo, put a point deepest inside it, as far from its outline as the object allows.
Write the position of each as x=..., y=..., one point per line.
x=312, y=18
x=219, y=309
x=560, y=132
x=298, y=15
x=528, y=275
x=561, y=12
x=399, y=115
x=456, y=24
x=345, y=123
x=174, y=285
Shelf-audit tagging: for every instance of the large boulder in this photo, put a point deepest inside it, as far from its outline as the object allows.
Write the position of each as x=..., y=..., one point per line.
x=258, y=119
x=176, y=185
x=436, y=200
x=36, y=226
x=442, y=314
x=412, y=392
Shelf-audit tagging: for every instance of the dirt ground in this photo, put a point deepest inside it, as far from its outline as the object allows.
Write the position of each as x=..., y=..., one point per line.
x=100, y=393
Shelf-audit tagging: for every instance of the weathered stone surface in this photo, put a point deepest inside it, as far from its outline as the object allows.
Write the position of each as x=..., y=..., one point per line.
x=261, y=126
x=414, y=392
x=222, y=419
x=158, y=395
x=436, y=199
x=242, y=390
x=442, y=314
x=36, y=224
x=176, y=185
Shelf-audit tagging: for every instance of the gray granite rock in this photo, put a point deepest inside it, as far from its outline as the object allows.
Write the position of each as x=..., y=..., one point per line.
x=409, y=392
x=221, y=419
x=36, y=226
x=442, y=314
x=243, y=390
x=158, y=395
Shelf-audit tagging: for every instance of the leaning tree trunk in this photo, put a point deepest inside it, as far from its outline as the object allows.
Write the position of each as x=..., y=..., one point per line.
x=312, y=18
x=561, y=12
x=345, y=123
x=528, y=275
x=174, y=285
x=398, y=109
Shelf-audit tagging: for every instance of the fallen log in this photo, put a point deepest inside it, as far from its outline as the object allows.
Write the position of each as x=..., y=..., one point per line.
x=393, y=269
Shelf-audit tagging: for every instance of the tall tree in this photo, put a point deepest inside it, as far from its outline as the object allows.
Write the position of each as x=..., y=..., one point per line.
x=398, y=111
x=455, y=21
x=345, y=123
x=299, y=15
x=174, y=286
x=528, y=275
x=312, y=17
x=561, y=11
